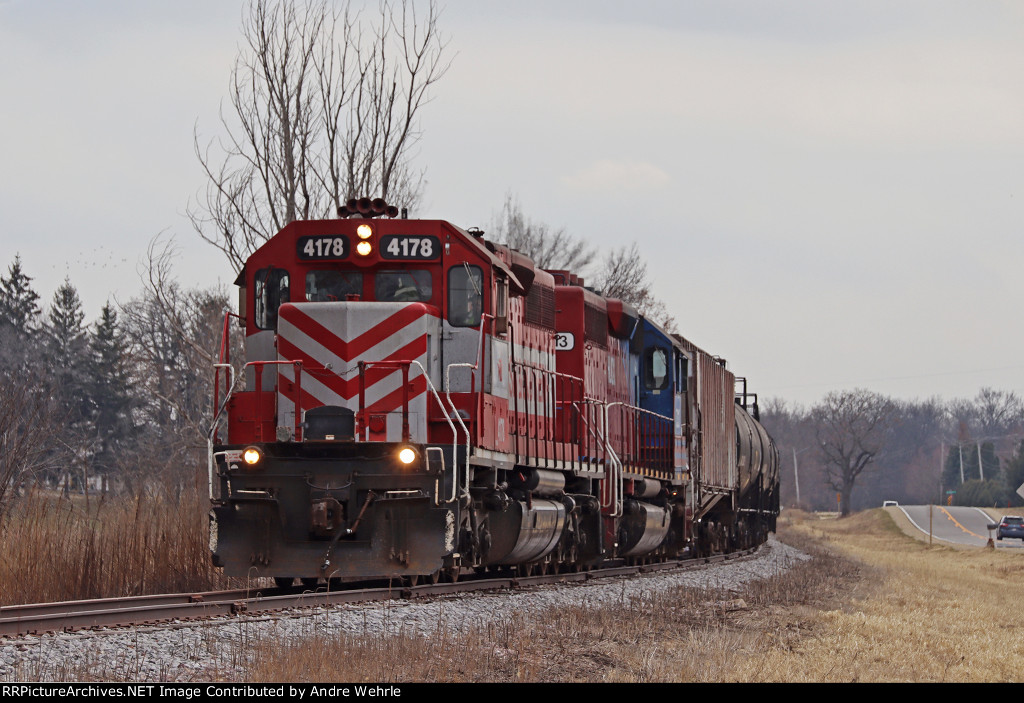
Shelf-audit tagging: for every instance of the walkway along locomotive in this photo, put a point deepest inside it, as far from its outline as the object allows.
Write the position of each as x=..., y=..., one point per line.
x=418, y=401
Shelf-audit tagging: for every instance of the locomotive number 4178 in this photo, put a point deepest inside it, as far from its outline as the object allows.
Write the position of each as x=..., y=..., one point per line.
x=321, y=247
x=402, y=246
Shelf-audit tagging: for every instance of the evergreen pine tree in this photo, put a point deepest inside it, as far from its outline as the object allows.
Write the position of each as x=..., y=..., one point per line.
x=110, y=388
x=18, y=302
x=19, y=318
x=65, y=344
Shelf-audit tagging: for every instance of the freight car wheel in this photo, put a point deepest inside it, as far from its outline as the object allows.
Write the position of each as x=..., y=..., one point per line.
x=411, y=581
x=283, y=581
x=310, y=582
x=451, y=574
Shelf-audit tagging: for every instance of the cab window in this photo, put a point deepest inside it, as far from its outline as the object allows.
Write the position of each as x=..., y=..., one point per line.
x=656, y=369
x=465, y=295
x=323, y=286
x=403, y=286
x=271, y=290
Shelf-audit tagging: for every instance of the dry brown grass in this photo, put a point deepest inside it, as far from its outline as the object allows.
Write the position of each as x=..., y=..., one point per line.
x=935, y=614
x=687, y=634
x=54, y=548
x=873, y=605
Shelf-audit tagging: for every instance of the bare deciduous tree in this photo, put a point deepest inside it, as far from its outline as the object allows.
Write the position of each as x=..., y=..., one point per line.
x=624, y=276
x=29, y=420
x=550, y=249
x=323, y=109
x=623, y=273
x=997, y=412
x=851, y=427
x=174, y=335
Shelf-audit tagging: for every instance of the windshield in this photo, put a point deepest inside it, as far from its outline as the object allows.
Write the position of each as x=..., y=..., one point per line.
x=403, y=286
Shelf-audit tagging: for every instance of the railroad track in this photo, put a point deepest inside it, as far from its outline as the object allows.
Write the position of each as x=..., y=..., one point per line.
x=38, y=618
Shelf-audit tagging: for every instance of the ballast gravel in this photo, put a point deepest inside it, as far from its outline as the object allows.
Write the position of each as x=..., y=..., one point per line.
x=215, y=649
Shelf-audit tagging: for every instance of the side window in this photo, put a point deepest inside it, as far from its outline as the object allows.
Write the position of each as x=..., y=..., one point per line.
x=465, y=295
x=403, y=286
x=656, y=368
x=271, y=290
x=323, y=286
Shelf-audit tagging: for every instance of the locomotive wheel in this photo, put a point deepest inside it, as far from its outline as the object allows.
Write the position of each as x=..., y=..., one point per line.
x=283, y=581
x=434, y=578
x=451, y=574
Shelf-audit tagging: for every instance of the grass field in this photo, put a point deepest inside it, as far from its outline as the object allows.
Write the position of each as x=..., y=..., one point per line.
x=921, y=613
x=54, y=548
x=874, y=605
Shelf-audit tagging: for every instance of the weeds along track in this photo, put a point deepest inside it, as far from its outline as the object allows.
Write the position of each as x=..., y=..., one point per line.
x=40, y=618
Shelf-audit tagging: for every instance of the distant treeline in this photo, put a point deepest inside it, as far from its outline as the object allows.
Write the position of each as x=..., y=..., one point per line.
x=124, y=398
x=125, y=402
x=964, y=451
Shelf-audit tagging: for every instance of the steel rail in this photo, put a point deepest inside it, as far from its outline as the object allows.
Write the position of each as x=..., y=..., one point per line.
x=38, y=618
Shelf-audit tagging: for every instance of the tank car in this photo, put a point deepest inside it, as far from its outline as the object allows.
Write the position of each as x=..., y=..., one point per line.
x=417, y=401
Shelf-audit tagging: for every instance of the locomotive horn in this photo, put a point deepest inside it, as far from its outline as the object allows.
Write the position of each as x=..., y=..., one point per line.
x=379, y=206
x=391, y=211
x=353, y=205
x=343, y=211
x=365, y=206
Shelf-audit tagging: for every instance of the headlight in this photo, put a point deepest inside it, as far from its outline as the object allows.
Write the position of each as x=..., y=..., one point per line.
x=364, y=231
x=252, y=456
x=364, y=248
x=407, y=455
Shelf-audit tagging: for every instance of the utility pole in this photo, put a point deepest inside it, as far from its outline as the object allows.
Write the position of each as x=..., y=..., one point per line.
x=796, y=476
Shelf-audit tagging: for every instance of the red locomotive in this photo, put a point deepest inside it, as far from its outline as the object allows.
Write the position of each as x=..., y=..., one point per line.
x=419, y=400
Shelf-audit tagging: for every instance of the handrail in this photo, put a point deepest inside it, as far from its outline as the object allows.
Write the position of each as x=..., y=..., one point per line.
x=596, y=434
x=211, y=435
x=455, y=434
x=535, y=377
x=224, y=361
x=404, y=364
x=638, y=423
x=616, y=481
x=258, y=385
x=448, y=395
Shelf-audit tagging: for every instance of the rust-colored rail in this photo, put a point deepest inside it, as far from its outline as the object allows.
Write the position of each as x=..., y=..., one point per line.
x=37, y=618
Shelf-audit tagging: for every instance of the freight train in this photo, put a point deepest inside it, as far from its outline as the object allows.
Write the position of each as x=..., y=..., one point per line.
x=418, y=402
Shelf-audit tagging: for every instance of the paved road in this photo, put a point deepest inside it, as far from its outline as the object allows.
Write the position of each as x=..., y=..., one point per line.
x=955, y=524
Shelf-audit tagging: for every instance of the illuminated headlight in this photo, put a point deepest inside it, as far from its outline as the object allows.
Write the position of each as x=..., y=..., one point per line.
x=364, y=248
x=364, y=231
x=407, y=455
x=252, y=456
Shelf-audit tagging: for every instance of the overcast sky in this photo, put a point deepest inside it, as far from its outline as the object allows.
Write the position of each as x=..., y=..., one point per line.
x=828, y=194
